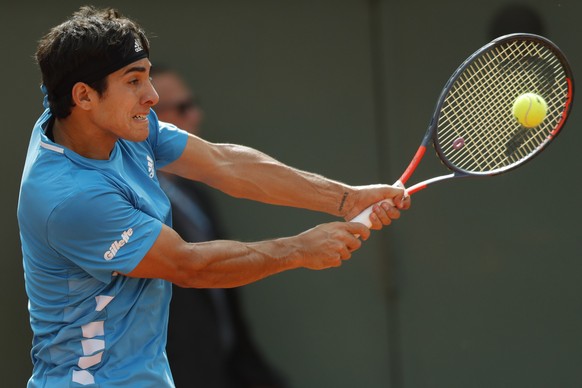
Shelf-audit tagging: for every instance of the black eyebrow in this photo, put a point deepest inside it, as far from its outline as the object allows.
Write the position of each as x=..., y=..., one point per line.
x=139, y=69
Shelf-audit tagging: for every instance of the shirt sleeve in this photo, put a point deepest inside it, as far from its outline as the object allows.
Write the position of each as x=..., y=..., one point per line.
x=109, y=235
x=167, y=141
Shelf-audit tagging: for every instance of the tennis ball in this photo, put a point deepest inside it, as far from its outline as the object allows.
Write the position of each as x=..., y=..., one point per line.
x=530, y=110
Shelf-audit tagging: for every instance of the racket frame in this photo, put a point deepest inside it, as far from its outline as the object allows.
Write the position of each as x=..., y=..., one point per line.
x=431, y=133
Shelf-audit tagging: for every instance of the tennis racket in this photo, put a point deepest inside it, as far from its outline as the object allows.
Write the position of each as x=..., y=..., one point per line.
x=473, y=129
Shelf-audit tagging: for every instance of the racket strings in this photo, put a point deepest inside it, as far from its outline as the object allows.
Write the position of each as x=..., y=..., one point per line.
x=491, y=147
x=476, y=129
x=489, y=109
x=494, y=152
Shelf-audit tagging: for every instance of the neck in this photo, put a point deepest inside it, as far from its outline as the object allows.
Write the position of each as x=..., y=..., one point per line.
x=79, y=137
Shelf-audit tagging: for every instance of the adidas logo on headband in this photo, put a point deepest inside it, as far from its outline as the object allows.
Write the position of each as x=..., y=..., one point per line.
x=137, y=46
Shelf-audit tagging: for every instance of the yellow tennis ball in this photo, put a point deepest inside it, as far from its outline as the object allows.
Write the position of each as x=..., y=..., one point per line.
x=530, y=110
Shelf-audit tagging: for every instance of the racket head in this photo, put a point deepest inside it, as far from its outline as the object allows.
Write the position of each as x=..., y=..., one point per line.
x=473, y=128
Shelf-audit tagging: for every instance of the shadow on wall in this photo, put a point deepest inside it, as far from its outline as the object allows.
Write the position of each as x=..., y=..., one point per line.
x=516, y=18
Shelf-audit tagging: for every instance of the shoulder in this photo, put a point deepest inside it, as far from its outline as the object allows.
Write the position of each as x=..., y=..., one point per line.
x=166, y=140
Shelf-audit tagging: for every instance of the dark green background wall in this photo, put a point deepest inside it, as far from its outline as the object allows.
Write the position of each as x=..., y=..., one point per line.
x=478, y=285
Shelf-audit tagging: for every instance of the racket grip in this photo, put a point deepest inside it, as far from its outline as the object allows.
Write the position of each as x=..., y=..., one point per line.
x=364, y=216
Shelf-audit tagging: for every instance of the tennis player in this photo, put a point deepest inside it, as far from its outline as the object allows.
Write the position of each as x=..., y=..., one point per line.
x=99, y=253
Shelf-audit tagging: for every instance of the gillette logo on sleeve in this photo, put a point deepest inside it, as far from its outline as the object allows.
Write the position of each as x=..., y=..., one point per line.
x=117, y=245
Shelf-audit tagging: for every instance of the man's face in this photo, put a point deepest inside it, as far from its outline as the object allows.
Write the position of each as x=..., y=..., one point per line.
x=123, y=108
x=177, y=104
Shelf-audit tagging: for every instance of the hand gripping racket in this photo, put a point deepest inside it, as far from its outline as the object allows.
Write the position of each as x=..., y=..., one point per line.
x=473, y=129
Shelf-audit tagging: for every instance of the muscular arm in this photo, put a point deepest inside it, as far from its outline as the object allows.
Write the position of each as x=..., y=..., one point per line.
x=247, y=173
x=221, y=264
x=244, y=172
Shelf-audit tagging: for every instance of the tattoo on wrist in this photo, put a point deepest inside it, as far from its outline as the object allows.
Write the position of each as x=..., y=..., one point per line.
x=343, y=202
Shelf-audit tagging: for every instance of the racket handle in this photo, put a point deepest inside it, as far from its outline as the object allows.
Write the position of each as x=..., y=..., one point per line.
x=364, y=216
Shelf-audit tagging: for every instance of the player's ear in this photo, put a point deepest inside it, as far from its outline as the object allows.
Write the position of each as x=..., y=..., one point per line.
x=82, y=95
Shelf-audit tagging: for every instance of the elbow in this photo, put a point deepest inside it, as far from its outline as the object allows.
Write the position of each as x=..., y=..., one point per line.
x=186, y=269
x=196, y=279
x=192, y=272
x=187, y=275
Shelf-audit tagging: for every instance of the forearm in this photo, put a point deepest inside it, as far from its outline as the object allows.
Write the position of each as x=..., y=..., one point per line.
x=220, y=264
x=248, y=173
x=244, y=172
x=224, y=264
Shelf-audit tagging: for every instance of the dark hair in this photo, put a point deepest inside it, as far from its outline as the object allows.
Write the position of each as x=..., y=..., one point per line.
x=89, y=36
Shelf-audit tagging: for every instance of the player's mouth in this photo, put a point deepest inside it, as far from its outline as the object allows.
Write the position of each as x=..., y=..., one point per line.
x=141, y=117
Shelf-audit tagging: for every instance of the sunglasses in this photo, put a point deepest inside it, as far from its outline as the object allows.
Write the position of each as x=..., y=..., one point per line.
x=181, y=107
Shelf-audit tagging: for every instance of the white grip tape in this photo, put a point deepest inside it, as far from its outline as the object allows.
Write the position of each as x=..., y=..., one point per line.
x=364, y=216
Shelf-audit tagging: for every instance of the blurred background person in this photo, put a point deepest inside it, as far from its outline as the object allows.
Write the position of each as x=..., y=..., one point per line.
x=209, y=342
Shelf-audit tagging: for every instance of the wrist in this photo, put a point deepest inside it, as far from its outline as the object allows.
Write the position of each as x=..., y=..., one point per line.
x=345, y=202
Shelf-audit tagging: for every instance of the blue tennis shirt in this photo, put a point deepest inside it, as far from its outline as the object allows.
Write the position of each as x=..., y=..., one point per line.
x=83, y=223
